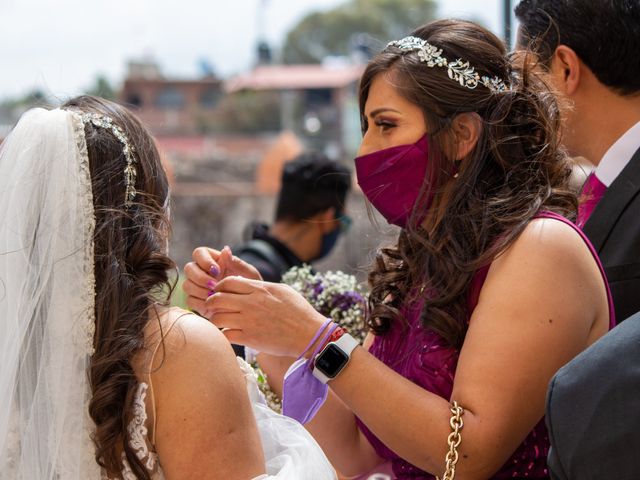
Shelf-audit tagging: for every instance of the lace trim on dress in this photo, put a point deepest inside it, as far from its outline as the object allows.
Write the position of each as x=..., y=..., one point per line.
x=138, y=434
x=138, y=439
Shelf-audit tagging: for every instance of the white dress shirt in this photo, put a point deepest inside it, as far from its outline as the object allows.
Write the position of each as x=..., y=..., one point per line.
x=618, y=156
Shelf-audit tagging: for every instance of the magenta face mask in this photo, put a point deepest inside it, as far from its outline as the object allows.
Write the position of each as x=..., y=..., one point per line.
x=392, y=178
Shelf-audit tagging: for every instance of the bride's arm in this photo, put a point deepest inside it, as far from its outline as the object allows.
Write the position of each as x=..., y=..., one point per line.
x=205, y=427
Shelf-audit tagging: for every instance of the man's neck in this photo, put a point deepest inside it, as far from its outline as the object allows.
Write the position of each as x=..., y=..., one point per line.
x=608, y=124
x=296, y=236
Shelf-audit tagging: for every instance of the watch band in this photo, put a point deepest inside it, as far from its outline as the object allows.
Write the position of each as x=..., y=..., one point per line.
x=346, y=344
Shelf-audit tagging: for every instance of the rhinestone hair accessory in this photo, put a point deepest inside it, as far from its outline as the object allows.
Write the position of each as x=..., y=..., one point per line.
x=130, y=173
x=458, y=70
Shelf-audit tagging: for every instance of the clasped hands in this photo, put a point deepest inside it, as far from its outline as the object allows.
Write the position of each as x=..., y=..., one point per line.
x=268, y=317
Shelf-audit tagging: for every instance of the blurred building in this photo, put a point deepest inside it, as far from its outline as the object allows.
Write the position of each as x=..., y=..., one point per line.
x=171, y=106
x=318, y=103
x=226, y=144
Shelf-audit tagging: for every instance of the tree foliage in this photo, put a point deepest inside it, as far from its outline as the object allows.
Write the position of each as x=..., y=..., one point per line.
x=365, y=25
x=102, y=88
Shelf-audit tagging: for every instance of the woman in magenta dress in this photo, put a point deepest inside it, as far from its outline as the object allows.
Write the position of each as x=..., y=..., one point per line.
x=488, y=291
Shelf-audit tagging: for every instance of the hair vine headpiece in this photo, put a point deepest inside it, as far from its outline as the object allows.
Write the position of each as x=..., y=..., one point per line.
x=130, y=173
x=458, y=70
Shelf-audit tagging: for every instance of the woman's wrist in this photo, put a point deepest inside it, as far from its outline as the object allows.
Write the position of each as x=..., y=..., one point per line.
x=313, y=336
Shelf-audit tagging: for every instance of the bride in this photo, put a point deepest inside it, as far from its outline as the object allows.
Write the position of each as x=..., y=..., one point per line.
x=99, y=378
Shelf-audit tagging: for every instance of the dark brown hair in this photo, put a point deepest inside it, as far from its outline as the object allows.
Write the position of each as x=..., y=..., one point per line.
x=516, y=170
x=605, y=34
x=131, y=272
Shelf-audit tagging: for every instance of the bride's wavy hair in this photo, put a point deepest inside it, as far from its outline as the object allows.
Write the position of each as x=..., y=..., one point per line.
x=517, y=169
x=132, y=272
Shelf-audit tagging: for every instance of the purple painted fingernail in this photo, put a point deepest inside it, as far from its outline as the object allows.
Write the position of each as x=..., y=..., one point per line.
x=211, y=284
x=215, y=271
x=211, y=292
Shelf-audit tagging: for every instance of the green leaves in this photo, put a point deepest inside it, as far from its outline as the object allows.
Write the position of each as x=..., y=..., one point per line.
x=358, y=24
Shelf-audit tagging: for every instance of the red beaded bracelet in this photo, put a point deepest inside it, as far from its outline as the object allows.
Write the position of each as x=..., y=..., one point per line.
x=337, y=333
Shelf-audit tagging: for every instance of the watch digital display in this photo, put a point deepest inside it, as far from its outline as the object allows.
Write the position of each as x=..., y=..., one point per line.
x=331, y=360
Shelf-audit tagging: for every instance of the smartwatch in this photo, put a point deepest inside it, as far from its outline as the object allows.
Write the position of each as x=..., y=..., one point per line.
x=333, y=358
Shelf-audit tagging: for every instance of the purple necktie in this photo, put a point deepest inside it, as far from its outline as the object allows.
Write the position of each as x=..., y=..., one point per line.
x=591, y=194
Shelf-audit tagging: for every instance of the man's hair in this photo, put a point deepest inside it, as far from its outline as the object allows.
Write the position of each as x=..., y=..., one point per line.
x=605, y=34
x=311, y=183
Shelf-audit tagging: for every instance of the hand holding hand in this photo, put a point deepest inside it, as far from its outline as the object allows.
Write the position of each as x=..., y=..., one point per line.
x=208, y=267
x=269, y=317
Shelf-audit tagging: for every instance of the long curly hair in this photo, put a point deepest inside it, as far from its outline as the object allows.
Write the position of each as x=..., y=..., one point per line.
x=132, y=272
x=517, y=169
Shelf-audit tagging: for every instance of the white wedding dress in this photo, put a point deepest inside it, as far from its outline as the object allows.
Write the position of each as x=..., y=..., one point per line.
x=47, y=316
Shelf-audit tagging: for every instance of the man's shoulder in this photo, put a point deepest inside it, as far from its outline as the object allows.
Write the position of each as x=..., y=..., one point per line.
x=593, y=409
x=609, y=355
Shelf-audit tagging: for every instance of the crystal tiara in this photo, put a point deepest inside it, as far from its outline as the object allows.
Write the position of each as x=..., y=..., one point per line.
x=459, y=70
x=130, y=173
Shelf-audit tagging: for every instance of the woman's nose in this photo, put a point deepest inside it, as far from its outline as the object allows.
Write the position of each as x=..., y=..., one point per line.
x=368, y=145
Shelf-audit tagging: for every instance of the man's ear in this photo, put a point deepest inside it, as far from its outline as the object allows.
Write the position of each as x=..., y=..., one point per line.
x=466, y=128
x=326, y=220
x=566, y=69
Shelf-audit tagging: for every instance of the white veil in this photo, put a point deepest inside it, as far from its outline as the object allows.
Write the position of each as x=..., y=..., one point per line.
x=46, y=300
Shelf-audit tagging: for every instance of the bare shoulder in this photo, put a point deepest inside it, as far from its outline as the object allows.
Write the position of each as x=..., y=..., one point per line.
x=201, y=399
x=193, y=351
x=548, y=270
x=549, y=254
x=179, y=335
x=550, y=240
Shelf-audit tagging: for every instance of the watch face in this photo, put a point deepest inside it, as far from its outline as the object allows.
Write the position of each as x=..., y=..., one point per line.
x=331, y=360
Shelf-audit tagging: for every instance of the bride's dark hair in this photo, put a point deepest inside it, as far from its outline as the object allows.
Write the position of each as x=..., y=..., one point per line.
x=132, y=272
x=516, y=169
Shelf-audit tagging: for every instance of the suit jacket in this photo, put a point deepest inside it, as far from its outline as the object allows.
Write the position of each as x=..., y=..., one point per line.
x=593, y=410
x=614, y=230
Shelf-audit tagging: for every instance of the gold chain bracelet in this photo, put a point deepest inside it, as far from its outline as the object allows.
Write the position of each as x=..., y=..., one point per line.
x=453, y=440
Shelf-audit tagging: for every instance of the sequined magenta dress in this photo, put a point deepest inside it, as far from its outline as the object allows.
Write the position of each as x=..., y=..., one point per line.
x=423, y=357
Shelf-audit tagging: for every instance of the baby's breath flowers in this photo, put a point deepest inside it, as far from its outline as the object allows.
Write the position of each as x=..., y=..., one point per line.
x=335, y=295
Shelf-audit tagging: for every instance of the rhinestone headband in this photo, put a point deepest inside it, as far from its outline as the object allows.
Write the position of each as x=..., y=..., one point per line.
x=459, y=70
x=130, y=173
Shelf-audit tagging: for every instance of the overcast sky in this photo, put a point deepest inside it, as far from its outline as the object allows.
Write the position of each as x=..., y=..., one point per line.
x=60, y=45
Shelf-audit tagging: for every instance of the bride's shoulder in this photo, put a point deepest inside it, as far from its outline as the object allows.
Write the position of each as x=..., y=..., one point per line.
x=200, y=397
x=176, y=331
x=180, y=344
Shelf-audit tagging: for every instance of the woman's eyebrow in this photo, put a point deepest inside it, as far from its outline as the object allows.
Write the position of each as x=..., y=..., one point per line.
x=378, y=111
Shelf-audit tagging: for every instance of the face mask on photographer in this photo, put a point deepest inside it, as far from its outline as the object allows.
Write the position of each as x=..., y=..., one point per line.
x=330, y=239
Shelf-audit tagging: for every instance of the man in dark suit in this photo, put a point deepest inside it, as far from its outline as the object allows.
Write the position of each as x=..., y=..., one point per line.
x=591, y=48
x=593, y=410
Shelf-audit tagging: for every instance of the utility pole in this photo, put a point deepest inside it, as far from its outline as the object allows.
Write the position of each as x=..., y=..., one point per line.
x=506, y=12
x=262, y=46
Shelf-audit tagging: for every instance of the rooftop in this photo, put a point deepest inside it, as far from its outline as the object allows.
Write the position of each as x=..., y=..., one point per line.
x=295, y=77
